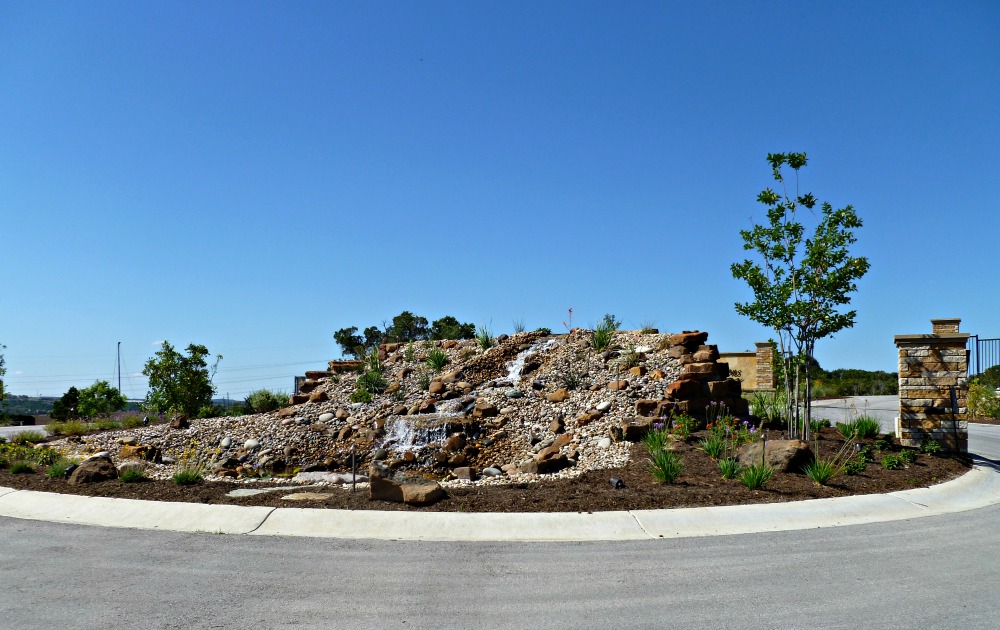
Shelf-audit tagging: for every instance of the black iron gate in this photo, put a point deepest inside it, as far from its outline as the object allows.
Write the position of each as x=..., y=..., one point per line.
x=983, y=355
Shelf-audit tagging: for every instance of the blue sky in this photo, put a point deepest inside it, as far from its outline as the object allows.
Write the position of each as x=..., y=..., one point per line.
x=253, y=176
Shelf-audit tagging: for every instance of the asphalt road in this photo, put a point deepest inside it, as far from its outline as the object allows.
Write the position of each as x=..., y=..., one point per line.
x=935, y=572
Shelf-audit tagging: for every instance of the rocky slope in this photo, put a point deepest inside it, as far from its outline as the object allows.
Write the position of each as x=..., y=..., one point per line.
x=532, y=406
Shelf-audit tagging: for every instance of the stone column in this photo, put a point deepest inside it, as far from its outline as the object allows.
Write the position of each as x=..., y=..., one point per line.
x=930, y=368
x=765, y=365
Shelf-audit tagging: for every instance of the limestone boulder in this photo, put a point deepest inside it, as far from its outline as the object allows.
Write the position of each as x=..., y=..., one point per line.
x=783, y=455
x=93, y=470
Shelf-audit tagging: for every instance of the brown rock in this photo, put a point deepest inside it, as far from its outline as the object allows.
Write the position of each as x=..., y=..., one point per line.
x=436, y=387
x=449, y=344
x=634, y=429
x=617, y=386
x=93, y=470
x=700, y=368
x=465, y=472
x=657, y=375
x=180, y=421
x=685, y=390
x=298, y=399
x=562, y=440
x=137, y=451
x=403, y=373
x=676, y=352
x=783, y=455
x=426, y=406
x=547, y=453
x=342, y=414
x=484, y=409
x=394, y=387
x=557, y=425
x=287, y=412
x=411, y=490
x=558, y=396
x=399, y=410
x=315, y=375
x=586, y=418
x=307, y=386
x=318, y=396
x=455, y=443
x=689, y=339
x=637, y=371
x=707, y=353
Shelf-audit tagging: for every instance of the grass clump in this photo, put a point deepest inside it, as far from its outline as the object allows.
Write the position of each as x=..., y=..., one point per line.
x=730, y=468
x=27, y=437
x=821, y=471
x=648, y=327
x=22, y=467
x=69, y=428
x=861, y=427
x=361, y=395
x=604, y=333
x=771, y=406
x=187, y=476
x=815, y=426
x=756, y=477
x=571, y=379
x=666, y=466
x=437, y=359
x=713, y=445
x=58, y=468
x=131, y=421
x=519, y=326
x=137, y=475
x=484, y=338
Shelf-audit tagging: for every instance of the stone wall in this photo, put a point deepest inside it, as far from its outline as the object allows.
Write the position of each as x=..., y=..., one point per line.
x=931, y=368
x=755, y=368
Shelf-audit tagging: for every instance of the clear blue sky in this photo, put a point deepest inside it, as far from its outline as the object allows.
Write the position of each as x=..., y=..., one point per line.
x=255, y=175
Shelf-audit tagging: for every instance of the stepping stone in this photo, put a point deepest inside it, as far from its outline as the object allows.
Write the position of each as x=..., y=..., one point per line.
x=307, y=496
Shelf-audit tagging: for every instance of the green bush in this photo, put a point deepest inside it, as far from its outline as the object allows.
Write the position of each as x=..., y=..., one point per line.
x=666, y=466
x=713, y=445
x=861, y=427
x=817, y=425
x=571, y=379
x=131, y=421
x=136, y=475
x=58, y=468
x=604, y=333
x=69, y=428
x=372, y=381
x=264, y=400
x=484, y=338
x=361, y=396
x=983, y=402
x=730, y=468
x=756, y=476
x=770, y=405
x=437, y=359
x=543, y=330
x=27, y=437
x=907, y=456
x=187, y=476
x=856, y=466
x=21, y=467
x=930, y=446
x=891, y=462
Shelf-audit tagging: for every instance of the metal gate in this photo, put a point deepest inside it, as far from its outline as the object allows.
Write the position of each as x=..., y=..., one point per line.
x=984, y=354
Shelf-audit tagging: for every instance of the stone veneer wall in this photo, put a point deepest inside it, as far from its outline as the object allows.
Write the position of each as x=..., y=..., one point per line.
x=756, y=368
x=765, y=365
x=929, y=367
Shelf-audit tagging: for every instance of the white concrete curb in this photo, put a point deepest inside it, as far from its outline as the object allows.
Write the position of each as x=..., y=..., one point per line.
x=976, y=489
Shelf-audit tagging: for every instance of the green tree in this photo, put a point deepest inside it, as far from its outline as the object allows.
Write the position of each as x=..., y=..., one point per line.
x=100, y=399
x=67, y=406
x=407, y=327
x=800, y=284
x=450, y=328
x=178, y=382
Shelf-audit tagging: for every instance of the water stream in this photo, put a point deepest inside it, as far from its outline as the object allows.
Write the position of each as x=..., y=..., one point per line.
x=515, y=366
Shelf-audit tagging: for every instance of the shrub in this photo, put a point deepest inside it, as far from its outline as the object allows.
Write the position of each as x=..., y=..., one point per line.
x=867, y=427
x=881, y=445
x=44, y=455
x=3, y=440
x=58, y=468
x=437, y=359
x=27, y=437
x=131, y=421
x=657, y=439
x=756, y=476
x=571, y=379
x=136, y=475
x=543, y=330
x=730, y=468
x=604, y=332
x=630, y=359
x=929, y=446
x=771, y=406
x=983, y=402
x=264, y=400
x=424, y=380
x=187, y=476
x=907, y=456
x=69, y=428
x=683, y=425
x=484, y=338
x=647, y=327
x=361, y=395
x=892, y=462
x=666, y=466
x=817, y=425
x=822, y=470
x=106, y=424
x=21, y=467
x=856, y=466
x=373, y=382
x=410, y=353
x=713, y=445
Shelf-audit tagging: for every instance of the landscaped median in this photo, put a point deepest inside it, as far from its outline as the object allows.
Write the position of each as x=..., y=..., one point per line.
x=976, y=489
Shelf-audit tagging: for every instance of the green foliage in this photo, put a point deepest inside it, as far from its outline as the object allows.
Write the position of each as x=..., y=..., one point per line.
x=519, y=326
x=571, y=379
x=187, y=476
x=27, y=437
x=407, y=327
x=58, y=468
x=137, y=475
x=656, y=440
x=604, y=333
x=855, y=466
x=866, y=454
x=361, y=395
x=544, y=331
x=666, y=466
x=683, y=425
x=930, y=446
x=437, y=359
x=21, y=467
x=853, y=382
x=990, y=377
x=264, y=400
x=822, y=470
x=817, y=425
x=373, y=382
x=66, y=407
x=70, y=428
x=484, y=338
x=410, y=353
x=730, y=468
x=756, y=476
x=450, y=328
x=647, y=327
x=713, y=445
x=881, y=445
x=424, y=380
x=100, y=399
x=771, y=406
x=630, y=358
x=178, y=382
x=983, y=401
x=862, y=427
x=131, y=421
x=800, y=284
x=907, y=456
x=891, y=462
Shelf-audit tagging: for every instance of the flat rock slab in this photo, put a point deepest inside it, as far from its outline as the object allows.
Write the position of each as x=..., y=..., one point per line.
x=307, y=496
x=252, y=492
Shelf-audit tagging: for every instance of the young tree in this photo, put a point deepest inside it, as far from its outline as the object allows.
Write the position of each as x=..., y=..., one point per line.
x=100, y=399
x=178, y=382
x=66, y=408
x=448, y=327
x=407, y=327
x=799, y=287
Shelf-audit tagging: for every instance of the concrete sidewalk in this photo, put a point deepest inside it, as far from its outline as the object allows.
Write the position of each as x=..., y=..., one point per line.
x=976, y=489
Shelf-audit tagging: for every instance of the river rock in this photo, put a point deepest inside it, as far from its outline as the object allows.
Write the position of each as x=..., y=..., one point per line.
x=251, y=444
x=226, y=442
x=326, y=417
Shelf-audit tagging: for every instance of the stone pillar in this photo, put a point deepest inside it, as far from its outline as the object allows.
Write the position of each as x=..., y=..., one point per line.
x=930, y=368
x=765, y=365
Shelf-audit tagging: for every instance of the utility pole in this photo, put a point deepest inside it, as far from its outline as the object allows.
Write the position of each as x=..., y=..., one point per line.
x=119, y=367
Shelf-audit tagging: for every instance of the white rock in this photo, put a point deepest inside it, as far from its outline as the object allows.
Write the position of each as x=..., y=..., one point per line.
x=251, y=444
x=603, y=406
x=644, y=349
x=287, y=422
x=326, y=417
x=604, y=443
x=226, y=442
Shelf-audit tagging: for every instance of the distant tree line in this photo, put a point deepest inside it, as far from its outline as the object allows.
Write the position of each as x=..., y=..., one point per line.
x=404, y=327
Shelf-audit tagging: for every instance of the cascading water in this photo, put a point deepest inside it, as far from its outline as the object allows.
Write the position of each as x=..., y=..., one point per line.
x=515, y=366
x=412, y=433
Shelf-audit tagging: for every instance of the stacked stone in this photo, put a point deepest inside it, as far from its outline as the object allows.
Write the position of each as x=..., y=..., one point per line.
x=765, y=365
x=703, y=379
x=932, y=368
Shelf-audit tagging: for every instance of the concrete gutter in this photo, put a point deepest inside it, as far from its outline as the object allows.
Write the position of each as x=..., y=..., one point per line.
x=976, y=489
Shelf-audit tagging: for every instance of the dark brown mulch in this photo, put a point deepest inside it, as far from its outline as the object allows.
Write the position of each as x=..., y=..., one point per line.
x=699, y=485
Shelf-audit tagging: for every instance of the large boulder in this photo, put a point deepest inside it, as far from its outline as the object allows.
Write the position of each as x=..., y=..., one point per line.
x=783, y=455
x=402, y=488
x=93, y=470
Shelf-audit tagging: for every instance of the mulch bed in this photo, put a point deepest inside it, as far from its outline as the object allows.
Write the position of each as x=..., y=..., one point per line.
x=699, y=485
